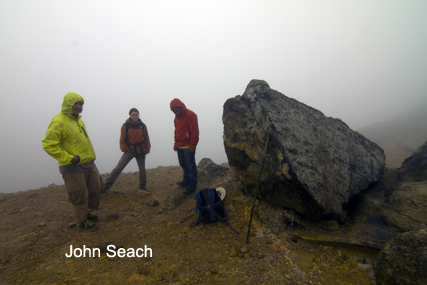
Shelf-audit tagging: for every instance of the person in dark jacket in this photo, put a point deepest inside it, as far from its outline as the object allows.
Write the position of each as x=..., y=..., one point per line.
x=134, y=142
x=186, y=140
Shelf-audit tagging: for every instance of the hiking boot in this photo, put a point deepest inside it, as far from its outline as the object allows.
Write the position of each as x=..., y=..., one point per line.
x=182, y=183
x=92, y=217
x=145, y=189
x=86, y=225
x=189, y=190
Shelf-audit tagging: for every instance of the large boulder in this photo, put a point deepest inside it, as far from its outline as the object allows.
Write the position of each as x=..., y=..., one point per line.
x=314, y=164
x=414, y=168
x=387, y=210
x=407, y=206
x=214, y=170
x=404, y=259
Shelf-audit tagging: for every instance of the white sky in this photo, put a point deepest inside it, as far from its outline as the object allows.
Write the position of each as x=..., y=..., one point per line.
x=360, y=61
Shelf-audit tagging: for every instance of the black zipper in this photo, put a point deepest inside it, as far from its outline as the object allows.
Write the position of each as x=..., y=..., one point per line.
x=81, y=127
x=84, y=131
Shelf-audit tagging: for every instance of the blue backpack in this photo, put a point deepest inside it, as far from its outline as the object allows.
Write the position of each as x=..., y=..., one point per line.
x=209, y=208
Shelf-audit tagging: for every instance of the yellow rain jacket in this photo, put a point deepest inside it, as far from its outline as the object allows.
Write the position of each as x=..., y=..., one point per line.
x=66, y=135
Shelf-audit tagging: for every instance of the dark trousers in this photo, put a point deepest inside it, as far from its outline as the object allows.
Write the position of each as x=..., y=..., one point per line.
x=124, y=160
x=187, y=161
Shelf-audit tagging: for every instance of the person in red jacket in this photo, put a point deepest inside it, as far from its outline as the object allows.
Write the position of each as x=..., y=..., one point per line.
x=186, y=139
x=134, y=142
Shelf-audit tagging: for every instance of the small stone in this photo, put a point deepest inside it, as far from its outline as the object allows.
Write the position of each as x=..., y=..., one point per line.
x=244, y=249
x=260, y=255
x=111, y=216
x=143, y=193
x=143, y=270
x=152, y=202
x=213, y=270
x=234, y=251
x=71, y=226
x=41, y=225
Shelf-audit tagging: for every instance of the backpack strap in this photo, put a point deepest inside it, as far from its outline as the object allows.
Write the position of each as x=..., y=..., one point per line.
x=198, y=203
x=231, y=227
x=211, y=205
x=127, y=125
x=212, y=209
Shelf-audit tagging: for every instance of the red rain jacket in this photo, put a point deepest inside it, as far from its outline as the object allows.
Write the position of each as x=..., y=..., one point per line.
x=186, y=126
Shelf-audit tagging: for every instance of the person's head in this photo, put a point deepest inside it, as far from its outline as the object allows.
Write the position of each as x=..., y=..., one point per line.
x=77, y=108
x=177, y=107
x=134, y=114
x=72, y=104
x=177, y=111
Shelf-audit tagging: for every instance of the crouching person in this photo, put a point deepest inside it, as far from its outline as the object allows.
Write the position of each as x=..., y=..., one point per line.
x=67, y=141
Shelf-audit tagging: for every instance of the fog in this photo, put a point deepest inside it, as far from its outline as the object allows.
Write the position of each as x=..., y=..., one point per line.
x=360, y=61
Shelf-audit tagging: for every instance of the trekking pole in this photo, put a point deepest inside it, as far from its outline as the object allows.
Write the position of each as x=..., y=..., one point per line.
x=257, y=186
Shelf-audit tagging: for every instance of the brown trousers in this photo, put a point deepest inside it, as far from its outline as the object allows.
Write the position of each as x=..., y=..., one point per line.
x=84, y=192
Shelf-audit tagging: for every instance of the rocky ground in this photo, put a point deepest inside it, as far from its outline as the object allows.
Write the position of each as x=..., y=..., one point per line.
x=36, y=237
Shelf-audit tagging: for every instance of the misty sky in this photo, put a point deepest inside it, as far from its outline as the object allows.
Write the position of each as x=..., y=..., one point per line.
x=360, y=61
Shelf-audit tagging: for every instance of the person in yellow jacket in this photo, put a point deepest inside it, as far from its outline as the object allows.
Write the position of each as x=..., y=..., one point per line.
x=68, y=142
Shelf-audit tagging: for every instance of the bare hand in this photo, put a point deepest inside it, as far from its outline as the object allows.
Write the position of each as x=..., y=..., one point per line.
x=75, y=159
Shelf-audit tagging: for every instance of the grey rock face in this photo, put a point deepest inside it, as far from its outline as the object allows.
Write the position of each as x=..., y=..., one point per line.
x=407, y=206
x=387, y=210
x=414, y=168
x=211, y=167
x=314, y=165
x=404, y=259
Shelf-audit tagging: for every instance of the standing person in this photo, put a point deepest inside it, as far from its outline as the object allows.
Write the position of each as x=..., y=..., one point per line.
x=68, y=142
x=134, y=142
x=186, y=139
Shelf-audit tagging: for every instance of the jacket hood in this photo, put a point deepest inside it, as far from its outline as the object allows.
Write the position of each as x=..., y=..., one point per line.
x=177, y=103
x=69, y=100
